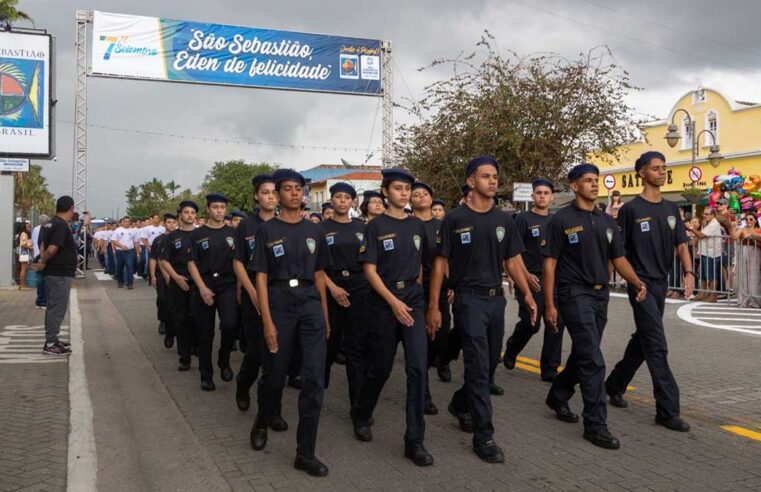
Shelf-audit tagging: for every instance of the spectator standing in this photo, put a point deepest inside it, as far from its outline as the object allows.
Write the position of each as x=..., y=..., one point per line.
x=42, y=298
x=59, y=262
x=749, y=267
x=23, y=252
x=615, y=204
x=710, y=255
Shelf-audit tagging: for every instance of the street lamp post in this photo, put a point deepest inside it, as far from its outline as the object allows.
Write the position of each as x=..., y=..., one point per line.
x=672, y=138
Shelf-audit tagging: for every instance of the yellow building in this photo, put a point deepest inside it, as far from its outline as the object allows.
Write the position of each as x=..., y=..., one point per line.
x=736, y=124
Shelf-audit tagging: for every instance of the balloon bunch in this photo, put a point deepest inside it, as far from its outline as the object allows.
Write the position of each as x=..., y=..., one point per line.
x=743, y=195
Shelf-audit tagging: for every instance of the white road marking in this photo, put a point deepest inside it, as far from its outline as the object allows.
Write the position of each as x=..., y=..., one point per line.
x=700, y=314
x=82, y=460
x=102, y=276
x=22, y=344
x=668, y=301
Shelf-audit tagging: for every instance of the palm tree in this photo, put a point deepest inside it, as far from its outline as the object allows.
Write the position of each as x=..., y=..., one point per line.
x=10, y=14
x=172, y=187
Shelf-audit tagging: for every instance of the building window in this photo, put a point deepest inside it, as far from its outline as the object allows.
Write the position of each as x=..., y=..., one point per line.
x=687, y=133
x=712, y=124
x=699, y=96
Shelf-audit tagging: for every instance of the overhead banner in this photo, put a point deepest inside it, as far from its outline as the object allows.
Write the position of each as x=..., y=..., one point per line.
x=25, y=95
x=183, y=51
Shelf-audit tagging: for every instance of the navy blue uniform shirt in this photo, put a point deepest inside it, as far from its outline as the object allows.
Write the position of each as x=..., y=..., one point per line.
x=288, y=251
x=532, y=228
x=177, y=251
x=395, y=246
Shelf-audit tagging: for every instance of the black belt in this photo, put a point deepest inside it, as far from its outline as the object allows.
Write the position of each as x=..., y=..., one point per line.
x=585, y=286
x=218, y=275
x=493, y=292
x=292, y=283
x=343, y=273
x=401, y=284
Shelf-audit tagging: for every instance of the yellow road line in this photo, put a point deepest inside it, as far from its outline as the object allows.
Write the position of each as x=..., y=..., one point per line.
x=532, y=365
x=742, y=431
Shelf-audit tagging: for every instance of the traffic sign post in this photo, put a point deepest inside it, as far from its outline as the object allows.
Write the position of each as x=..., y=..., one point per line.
x=609, y=181
x=696, y=174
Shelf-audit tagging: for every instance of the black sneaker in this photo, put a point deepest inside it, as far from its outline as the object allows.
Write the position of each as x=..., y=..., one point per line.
x=489, y=452
x=65, y=345
x=55, y=349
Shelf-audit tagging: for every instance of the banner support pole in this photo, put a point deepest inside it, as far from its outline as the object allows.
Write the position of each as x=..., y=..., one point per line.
x=387, y=150
x=79, y=168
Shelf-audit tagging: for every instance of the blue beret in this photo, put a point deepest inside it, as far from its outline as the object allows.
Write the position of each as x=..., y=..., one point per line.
x=645, y=159
x=216, y=198
x=425, y=186
x=326, y=205
x=478, y=162
x=281, y=175
x=187, y=203
x=438, y=201
x=343, y=188
x=465, y=189
x=261, y=179
x=580, y=169
x=543, y=182
x=315, y=214
x=238, y=213
x=372, y=194
x=228, y=217
x=168, y=216
x=397, y=174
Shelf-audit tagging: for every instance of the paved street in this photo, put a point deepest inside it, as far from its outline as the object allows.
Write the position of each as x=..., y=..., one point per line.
x=155, y=429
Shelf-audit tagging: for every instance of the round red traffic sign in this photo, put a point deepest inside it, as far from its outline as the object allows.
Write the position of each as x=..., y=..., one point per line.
x=695, y=174
x=609, y=181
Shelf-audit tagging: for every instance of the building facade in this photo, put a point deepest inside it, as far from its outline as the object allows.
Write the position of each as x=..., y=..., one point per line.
x=736, y=124
x=319, y=191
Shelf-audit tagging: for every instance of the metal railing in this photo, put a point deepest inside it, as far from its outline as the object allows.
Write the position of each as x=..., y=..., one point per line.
x=748, y=264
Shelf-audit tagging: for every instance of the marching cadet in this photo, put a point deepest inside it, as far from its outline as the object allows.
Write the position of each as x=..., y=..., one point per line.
x=160, y=280
x=290, y=259
x=477, y=240
x=532, y=227
x=327, y=211
x=391, y=254
x=211, y=268
x=236, y=217
x=438, y=209
x=421, y=201
x=372, y=205
x=652, y=229
x=266, y=199
x=581, y=239
x=349, y=290
x=174, y=258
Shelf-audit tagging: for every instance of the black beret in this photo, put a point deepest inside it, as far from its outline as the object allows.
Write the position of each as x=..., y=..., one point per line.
x=425, y=186
x=478, y=162
x=465, y=189
x=168, y=216
x=315, y=214
x=645, y=159
x=372, y=194
x=327, y=205
x=261, y=179
x=579, y=170
x=343, y=188
x=437, y=201
x=187, y=203
x=228, y=217
x=238, y=213
x=542, y=182
x=397, y=174
x=216, y=198
x=281, y=175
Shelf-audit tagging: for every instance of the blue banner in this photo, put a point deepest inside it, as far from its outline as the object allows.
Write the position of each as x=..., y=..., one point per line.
x=173, y=50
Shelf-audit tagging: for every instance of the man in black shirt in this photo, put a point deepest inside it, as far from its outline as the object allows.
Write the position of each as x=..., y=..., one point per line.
x=652, y=230
x=421, y=201
x=160, y=280
x=581, y=239
x=532, y=227
x=265, y=197
x=175, y=256
x=211, y=268
x=391, y=253
x=290, y=259
x=478, y=240
x=349, y=290
x=58, y=261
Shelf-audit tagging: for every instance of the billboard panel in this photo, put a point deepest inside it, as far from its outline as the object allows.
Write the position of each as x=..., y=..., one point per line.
x=25, y=67
x=183, y=51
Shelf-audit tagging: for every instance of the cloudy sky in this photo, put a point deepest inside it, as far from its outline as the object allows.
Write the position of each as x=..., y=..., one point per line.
x=669, y=47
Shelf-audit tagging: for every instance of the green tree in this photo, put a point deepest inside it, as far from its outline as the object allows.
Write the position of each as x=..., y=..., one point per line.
x=9, y=14
x=31, y=191
x=233, y=179
x=537, y=115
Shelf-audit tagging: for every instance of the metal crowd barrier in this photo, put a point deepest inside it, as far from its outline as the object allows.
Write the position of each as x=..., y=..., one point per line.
x=714, y=263
x=749, y=273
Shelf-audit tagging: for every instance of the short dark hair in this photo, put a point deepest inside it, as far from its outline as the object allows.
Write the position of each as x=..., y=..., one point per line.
x=64, y=204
